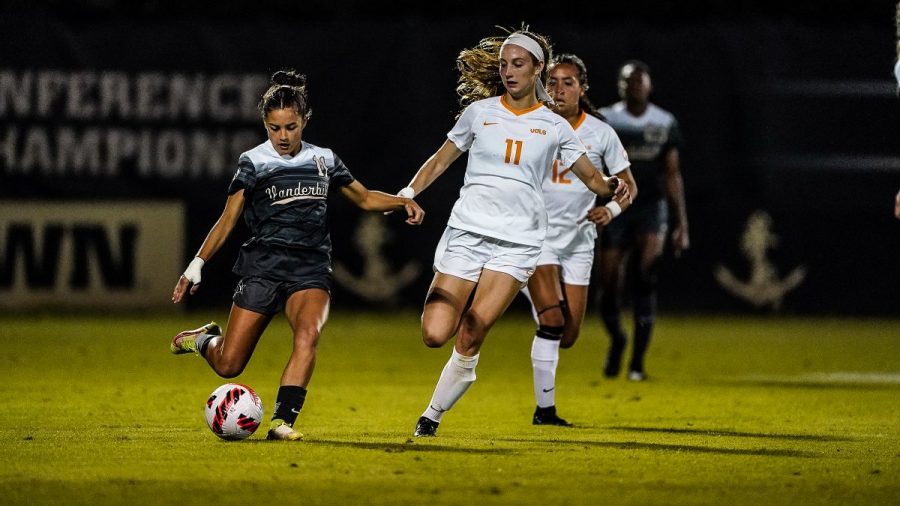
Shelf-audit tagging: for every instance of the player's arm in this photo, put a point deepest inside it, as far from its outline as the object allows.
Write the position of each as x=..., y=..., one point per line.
x=372, y=200
x=214, y=240
x=602, y=215
x=434, y=166
x=675, y=193
x=597, y=182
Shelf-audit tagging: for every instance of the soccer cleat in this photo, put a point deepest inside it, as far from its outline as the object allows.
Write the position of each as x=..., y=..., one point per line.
x=637, y=376
x=548, y=416
x=279, y=430
x=425, y=427
x=614, y=358
x=186, y=340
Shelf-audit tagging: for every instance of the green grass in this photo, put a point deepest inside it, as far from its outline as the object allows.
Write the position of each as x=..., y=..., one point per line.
x=738, y=411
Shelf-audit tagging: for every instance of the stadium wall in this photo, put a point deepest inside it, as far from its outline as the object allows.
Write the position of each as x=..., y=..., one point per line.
x=790, y=163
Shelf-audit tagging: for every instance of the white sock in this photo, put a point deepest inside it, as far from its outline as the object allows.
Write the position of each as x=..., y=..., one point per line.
x=544, y=357
x=457, y=376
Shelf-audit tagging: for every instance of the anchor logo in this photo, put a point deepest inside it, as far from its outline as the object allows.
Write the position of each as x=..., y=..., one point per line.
x=764, y=286
x=377, y=283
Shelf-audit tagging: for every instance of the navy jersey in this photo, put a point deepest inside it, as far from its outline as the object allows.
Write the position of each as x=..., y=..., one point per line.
x=647, y=139
x=285, y=209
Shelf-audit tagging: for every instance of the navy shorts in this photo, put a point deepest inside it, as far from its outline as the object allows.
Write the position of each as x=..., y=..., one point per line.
x=650, y=218
x=268, y=297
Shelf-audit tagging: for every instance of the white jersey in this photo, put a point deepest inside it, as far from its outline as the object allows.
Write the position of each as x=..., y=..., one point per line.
x=568, y=200
x=510, y=152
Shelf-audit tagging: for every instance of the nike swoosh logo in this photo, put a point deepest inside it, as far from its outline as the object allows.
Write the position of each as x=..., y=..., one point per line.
x=545, y=390
x=487, y=123
x=295, y=411
x=436, y=409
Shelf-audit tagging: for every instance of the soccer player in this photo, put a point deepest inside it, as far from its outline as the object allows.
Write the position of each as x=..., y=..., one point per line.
x=651, y=137
x=280, y=188
x=496, y=228
x=559, y=287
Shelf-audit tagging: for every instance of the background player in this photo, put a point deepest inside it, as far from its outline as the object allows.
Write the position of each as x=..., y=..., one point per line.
x=559, y=287
x=652, y=137
x=497, y=225
x=280, y=188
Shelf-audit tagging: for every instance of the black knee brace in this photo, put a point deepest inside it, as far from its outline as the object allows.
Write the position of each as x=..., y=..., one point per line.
x=550, y=333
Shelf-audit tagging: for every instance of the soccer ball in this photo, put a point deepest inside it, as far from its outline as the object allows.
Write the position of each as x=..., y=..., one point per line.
x=233, y=411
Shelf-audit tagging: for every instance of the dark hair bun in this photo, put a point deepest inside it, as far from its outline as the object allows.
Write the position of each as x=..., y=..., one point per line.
x=288, y=78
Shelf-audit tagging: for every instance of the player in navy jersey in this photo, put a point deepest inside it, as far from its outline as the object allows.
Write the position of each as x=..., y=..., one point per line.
x=281, y=188
x=558, y=289
x=652, y=138
x=497, y=226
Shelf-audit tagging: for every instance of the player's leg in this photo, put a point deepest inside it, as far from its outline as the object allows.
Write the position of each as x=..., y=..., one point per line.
x=306, y=311
x=649, y=249
x=576, y=277
x=546, y=297
x=444, y=305
x=611, y=273
x=494, y=293
x=228, y=354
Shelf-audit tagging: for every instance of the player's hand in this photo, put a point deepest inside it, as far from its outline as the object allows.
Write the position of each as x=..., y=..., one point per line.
x=190, y=277
x=181, y=288
x=414, y=213
x=619, y=189
x=680, y=240
x=600, y=215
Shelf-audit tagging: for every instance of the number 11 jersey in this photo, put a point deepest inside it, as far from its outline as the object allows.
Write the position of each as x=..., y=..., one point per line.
x=510, y=153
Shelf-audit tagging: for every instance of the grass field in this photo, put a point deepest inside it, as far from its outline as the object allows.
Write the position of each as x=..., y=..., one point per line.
x=737, y=411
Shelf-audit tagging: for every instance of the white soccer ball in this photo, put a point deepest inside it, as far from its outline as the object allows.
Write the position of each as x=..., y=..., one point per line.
x=233, y=411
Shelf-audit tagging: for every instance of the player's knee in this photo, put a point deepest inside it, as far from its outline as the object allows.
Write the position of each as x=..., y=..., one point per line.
x=306, y=338
x=230, y=368
x=552, y=317
x=434, y=336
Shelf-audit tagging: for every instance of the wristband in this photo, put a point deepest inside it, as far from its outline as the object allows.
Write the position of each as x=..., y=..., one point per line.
x=192, y=273
x=614, y=208
x=407, y=193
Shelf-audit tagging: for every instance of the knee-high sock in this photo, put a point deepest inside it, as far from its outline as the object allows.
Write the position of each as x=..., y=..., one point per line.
x=644, y=317
x=609, y=311
x=544, y=358
x=457, y=376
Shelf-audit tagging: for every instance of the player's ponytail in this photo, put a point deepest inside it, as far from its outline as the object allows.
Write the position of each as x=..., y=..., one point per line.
x=287, y=91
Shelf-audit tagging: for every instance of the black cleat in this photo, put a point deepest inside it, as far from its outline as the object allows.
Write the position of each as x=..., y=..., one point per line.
x=547, y=416
x=613, y=363
x=425, y=427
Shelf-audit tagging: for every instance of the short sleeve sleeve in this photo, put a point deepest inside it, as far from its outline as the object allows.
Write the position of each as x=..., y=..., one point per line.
x=614, y=155
x=675, y=140
x=339, y=174
x=244, y=178
x=570, y=146
x=463, y=133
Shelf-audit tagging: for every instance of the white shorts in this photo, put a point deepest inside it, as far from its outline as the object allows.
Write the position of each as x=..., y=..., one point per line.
x=575, y=268
x=464, y=254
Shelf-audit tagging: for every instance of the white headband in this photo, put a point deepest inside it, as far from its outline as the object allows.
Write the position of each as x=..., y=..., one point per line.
x=530, y=45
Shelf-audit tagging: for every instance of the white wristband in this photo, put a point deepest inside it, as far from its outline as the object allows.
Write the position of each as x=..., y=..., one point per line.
x=192, y=273
x=614, y=208
x=407, y=193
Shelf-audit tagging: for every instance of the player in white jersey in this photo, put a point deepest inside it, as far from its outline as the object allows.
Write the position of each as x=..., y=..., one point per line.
x=494, y=235
x=558, y=289
x=281, y=188
x=652, y=138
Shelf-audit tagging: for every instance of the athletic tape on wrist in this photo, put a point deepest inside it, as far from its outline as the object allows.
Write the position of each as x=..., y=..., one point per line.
x=614, y=208
x=407, y=193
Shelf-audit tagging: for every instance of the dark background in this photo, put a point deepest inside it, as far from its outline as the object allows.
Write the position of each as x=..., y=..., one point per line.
x=790, y=109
